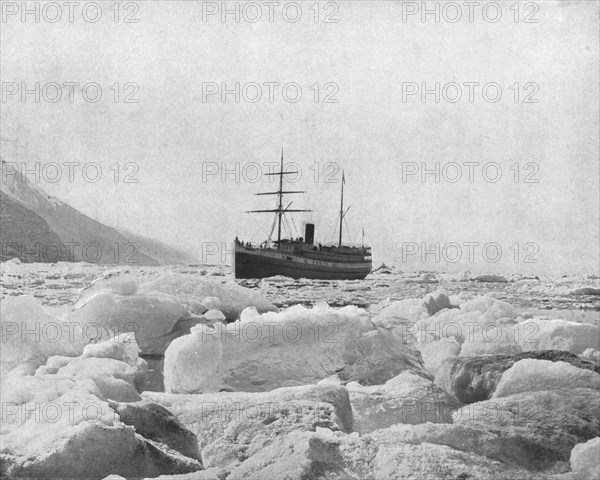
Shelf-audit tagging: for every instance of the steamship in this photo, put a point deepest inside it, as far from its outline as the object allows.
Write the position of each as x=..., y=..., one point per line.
x=300, y=257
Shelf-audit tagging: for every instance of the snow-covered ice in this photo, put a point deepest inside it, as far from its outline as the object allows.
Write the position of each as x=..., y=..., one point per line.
x=402, y=374
x=297, y=346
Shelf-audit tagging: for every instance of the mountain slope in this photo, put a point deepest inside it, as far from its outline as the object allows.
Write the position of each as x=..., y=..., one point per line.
x=86, y=239
x=160, y=251
x=26, y=235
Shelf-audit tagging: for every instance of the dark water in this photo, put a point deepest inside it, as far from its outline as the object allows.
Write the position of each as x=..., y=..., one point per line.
x=155, y=381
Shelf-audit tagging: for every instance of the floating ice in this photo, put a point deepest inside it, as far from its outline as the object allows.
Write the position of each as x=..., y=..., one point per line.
x=557, y=334
x=489, y=278
x=585, y=291
x=406, y=398
x=560, y=418
x=397, y=313
x=592, y=355
x=434, y=353
x=64, y=424
x=531, y=375
x=230, y=426
x=297, y=346
x=216, y=315
x=152, y=318
x=472, y=379
x=224, y=295
x=278, y=279
x=585, y=457
x=30, y=335
x=390, y=453
x=112, y=281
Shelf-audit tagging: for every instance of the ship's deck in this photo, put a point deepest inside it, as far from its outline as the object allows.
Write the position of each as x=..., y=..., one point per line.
x=326, y=253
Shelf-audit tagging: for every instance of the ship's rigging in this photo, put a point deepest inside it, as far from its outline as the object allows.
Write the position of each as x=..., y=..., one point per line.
x=280, y=210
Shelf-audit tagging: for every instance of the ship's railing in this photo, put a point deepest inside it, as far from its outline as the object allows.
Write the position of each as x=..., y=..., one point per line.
x=350, y=245
x=328, y=245
x=254, y=244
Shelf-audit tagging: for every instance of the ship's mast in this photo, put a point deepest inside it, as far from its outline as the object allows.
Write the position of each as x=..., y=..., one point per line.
x=342, y=213
x=280, y=210
x=280, y=213
x=342, y=209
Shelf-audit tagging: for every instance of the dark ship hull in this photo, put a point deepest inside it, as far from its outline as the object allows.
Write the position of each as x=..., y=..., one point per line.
x=299, y=260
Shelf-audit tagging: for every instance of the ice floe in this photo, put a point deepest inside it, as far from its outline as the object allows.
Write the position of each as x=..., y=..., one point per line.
x=445, y=383
x=297, y=346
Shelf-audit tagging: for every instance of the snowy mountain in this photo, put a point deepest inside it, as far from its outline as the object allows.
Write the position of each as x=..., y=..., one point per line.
x=30, y=216
x=22, y=230
x=165, y=254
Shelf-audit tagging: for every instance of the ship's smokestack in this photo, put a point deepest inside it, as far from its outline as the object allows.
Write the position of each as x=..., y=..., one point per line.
x=309, y=233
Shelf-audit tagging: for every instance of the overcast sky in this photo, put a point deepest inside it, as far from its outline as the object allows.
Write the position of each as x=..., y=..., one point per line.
x=543, y=129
